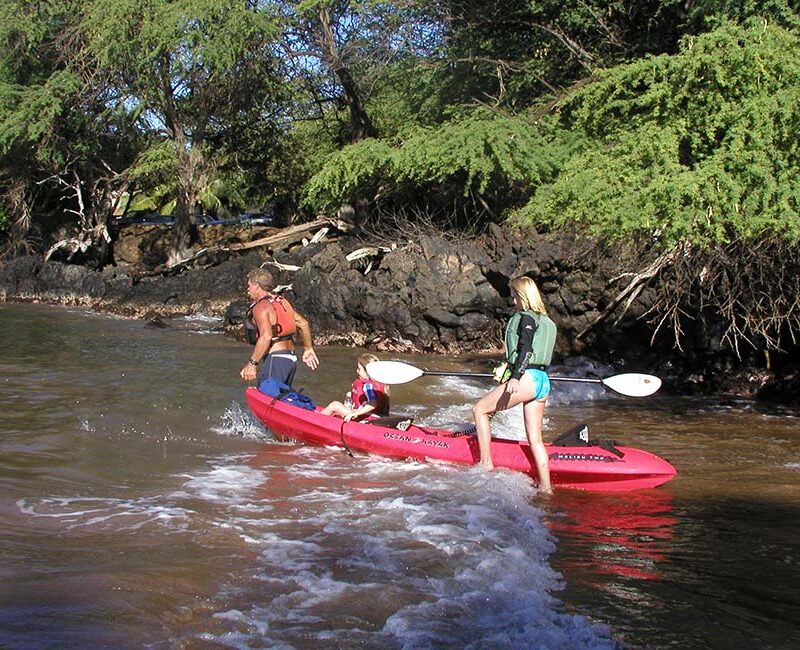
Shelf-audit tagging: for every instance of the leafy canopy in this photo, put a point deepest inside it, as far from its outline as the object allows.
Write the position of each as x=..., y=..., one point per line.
x=700, y=146
x=480, y=154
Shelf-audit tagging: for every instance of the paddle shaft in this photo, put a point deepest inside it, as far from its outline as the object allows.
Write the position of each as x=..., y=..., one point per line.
x=443, y=373
x=632, y=384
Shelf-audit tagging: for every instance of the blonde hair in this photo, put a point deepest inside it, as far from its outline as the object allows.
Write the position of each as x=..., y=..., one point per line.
x=364, y=359
x=528, y=295
x=262, y=278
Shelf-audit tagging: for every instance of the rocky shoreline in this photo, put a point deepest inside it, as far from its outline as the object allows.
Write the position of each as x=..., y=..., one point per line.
x=428, y=294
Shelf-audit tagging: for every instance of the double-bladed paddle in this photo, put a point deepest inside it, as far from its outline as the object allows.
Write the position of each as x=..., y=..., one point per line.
x=632, y=384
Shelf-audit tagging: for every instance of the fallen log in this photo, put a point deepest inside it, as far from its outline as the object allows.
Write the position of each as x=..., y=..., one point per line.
x=285, y=237
x=289, y=234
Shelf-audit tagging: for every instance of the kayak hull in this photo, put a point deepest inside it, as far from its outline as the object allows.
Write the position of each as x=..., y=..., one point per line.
x=588, y=467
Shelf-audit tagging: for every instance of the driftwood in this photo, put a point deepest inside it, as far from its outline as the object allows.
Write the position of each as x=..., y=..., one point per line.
x=367, y=251
x=89, y=234
x=372, y=252
x=282, y=267
x=280, y=239
x=285, y=236
x=83, y=242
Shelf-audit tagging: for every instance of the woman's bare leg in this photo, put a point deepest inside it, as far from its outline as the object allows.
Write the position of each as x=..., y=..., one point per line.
x=495, y=400
x=533, y=413
x=481, y=411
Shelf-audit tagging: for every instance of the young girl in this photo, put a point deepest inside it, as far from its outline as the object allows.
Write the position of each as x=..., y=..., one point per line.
x=529, y=342
x=366, y=396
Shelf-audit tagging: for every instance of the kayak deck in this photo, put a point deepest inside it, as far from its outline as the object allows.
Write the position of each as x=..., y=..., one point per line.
x=583, y=467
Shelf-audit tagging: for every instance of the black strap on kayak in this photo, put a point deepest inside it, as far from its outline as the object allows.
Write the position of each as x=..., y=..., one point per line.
x=390, y=421
x=344, y=444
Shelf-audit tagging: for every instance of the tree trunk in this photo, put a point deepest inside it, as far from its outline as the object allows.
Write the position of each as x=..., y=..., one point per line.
x=360, y=123
x=182, y=233
x=193, y=175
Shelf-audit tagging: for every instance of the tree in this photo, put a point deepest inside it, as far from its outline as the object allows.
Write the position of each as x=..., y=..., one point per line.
x=468, y=171
x=199, y=74
x=61, y=147
x=695, y=157
x=337, y=50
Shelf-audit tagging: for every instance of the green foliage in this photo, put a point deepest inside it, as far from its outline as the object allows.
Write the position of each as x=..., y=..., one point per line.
x=225, y=195
x=36, y=93
x=182, y=38
x=231, y=102
x=408, y=94
x=699, y=146
x=155, y=164
x=512, y=52
x=155, y=170
x=59, y=142
x=31, y=114
x=483, y=156
x=347, y=173
x=141, y=202
x=27, y=30
x=479, y=151
x=199, y=74
x=706, y=15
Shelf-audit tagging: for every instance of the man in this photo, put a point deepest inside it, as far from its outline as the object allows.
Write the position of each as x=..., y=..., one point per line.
x=270, y=325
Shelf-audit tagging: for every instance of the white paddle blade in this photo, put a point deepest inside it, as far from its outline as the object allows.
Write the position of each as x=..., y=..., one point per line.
x=393, y=372
x=633, y=384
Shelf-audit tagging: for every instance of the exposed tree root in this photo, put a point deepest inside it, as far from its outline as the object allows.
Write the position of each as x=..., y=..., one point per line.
x=743, y=294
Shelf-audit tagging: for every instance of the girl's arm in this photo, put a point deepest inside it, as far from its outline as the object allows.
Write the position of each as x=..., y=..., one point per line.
x=525, y=331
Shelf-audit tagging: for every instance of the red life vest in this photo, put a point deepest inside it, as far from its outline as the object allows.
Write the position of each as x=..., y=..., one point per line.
x=284, y=327
x=369, y=390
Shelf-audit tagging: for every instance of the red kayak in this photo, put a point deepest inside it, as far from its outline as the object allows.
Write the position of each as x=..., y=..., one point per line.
x=607, y=468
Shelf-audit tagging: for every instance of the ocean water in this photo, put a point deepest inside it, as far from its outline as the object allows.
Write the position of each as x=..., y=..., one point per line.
x=143, y=506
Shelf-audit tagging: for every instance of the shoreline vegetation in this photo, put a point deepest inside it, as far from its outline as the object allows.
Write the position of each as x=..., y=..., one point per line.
x=398, y=163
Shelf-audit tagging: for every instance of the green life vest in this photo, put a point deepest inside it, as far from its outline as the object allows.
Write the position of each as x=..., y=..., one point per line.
x=544, y=339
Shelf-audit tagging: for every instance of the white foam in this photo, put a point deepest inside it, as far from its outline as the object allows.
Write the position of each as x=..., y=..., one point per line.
x=225, y=482
x=202, y=318
x=124, y=515
x=237, y=421
x=363, y=551
x=435, y=556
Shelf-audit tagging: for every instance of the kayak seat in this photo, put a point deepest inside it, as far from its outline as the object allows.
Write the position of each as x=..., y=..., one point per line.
x=575, y=437
x=462, y=429
x=578, y=436
x=401, y=422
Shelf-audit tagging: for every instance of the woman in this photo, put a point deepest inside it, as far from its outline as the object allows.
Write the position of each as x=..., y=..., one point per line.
x=529, y=341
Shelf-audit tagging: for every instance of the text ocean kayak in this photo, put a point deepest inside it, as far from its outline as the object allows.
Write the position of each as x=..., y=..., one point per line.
x=581, y=467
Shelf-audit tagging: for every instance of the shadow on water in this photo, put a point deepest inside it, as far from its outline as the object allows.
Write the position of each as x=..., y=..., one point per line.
x=667, y=572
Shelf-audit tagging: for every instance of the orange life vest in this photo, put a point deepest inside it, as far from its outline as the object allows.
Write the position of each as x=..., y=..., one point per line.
x=284, y=327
